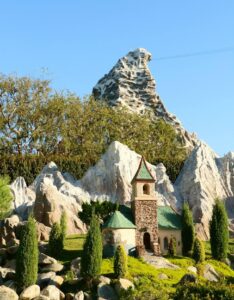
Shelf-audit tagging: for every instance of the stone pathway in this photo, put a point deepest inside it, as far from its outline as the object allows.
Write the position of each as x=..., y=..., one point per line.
x=159, y=262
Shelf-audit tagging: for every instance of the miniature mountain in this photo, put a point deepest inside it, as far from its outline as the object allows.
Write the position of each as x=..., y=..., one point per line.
x=130, y=84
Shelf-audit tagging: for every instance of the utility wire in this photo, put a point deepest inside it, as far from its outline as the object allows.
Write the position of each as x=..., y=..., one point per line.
x=200, y=53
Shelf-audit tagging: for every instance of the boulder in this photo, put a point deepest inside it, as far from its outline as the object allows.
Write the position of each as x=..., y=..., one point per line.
x=192, y=269
x=104, y=279
x=56, y=267
x=210, y=274
x=56, y=280
x=7, y=273
x=79, y=296
x=41, y=297
x=53, y=293
x=75, y=266
x=30, y=292
x=105, y=291
x=7, y=294
x=123, y=284
x=43, y=232
x=188, y=278
x=162, y=276
x=46, y=260
x=44, y=278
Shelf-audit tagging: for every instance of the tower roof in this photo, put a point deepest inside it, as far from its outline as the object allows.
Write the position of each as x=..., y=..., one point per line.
x=117, y=221
x=143, y=172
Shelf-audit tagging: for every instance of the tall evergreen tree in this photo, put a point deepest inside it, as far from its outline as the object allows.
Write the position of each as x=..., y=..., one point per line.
x=120, y=262
x=63, y=226
x=27, y=256
x=55, y=242
x=5, y=196
x=188, y=233
x=92, y=252
x=219, y=234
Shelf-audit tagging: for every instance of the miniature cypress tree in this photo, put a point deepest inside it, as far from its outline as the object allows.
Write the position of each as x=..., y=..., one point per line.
x=188, y=233
x=172, y=247
x=198, y=251
x=55, y=241
x=5, y=196
x=219, y=234
x=92, y=252
x=27, y=256
x=120, y=262
x=63, y=226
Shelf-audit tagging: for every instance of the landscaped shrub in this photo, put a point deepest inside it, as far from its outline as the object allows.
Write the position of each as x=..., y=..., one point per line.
x=208, y=291
x=91, y=259
x=55, y=241
x=219, y=234
x=27, y=256
x=5, y=196
x=188, y=233
x=198, y=251
x=120, y=262
x=63, y=226
x=172, y=247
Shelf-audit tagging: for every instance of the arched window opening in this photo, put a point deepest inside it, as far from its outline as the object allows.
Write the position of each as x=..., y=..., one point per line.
x=165, y=243
x=146, y=189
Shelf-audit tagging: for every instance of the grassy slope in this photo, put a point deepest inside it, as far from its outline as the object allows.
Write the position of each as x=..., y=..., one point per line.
x=139, y=269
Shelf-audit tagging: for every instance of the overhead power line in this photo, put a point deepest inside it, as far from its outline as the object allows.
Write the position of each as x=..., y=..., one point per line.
x=199, y=53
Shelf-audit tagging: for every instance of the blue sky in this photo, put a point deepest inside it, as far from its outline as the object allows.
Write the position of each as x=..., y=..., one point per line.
x=74, y=43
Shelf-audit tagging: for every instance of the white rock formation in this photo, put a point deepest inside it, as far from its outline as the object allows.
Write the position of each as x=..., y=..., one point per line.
x=204, y=178
x=130, y=84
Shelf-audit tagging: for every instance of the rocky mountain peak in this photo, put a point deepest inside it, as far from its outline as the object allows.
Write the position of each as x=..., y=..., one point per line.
x=130, y=84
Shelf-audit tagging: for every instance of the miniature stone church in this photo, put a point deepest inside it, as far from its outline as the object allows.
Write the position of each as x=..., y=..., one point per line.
x=144, y=226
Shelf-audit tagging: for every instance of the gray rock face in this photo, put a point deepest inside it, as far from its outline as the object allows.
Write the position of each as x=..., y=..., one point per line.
x=204, y=178
x=130, y=84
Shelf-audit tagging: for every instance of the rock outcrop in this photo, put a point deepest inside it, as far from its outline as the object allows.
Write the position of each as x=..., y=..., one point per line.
x=130, y=84
x=204, y=178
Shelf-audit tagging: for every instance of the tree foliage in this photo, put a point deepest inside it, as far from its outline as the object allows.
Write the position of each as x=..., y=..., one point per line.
x=198, y=251
x=172, y=247
x=188, y=233
x=5, y=197
x=101, y=209
x=62, y=125
x=55, y=241
x=219, y=234
x=91, y=259
x=27, y=256
x=120, y=262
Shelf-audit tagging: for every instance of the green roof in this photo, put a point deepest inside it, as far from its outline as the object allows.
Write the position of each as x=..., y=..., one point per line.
x=117, y=221
x=168, y=218
x=143, y=172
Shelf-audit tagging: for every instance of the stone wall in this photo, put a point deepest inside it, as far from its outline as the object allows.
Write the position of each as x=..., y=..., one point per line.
x=163, y=233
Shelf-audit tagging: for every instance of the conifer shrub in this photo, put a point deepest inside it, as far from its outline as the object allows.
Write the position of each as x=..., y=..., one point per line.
x=198, y=251
x=55, y=242
x=120, y=262
x=63, y=226
x=91, y=259
x=172, y=247
x=219, y=234
x=188, y=233
x=5, y=196
x=27, y=256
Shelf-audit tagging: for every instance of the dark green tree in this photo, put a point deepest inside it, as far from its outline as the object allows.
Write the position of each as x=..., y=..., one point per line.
x=172, y=247
x=27, y=256
x=219, y=234
x=55, y=241
x=188, y=233
x=198, y=251
x=63, y=226
x=120, y=262
x=102, y=209
x=5, y=197
x=91, y=259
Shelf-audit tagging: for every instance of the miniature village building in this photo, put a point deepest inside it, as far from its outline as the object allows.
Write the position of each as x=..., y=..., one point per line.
x=144, y=226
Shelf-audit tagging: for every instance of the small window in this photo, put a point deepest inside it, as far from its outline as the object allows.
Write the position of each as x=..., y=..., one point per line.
x=146, y=189
x=165, y=243
x=178, y=243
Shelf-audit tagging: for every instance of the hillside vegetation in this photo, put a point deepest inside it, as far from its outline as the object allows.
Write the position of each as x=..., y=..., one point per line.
x=39, y=125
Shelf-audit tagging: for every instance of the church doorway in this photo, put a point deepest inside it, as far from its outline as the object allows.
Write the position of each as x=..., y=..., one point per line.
x=146, y=240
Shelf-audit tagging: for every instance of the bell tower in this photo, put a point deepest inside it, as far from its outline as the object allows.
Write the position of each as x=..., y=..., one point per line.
x=144, y=207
